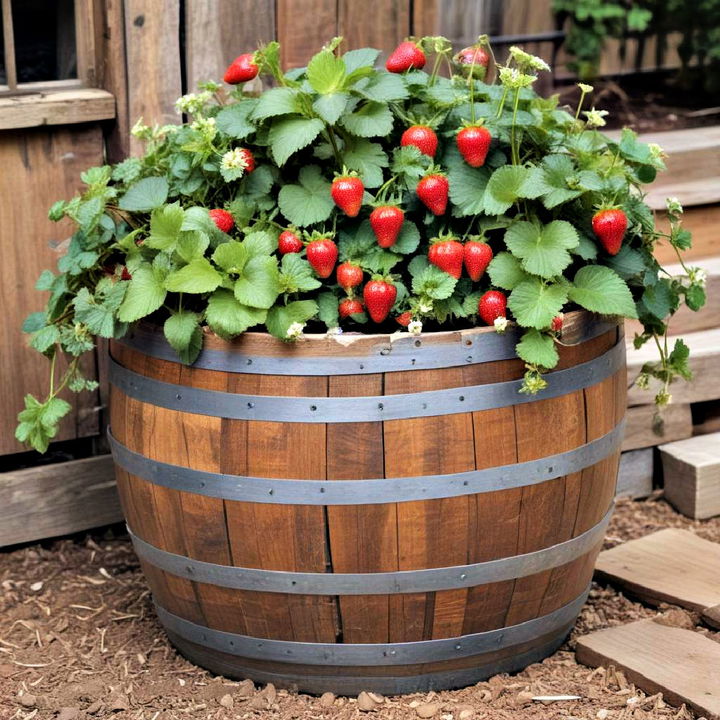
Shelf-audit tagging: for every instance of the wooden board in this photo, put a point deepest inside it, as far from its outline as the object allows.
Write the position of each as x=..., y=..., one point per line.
x=671, y=565
x=381, y=24
x=304, y=26
x=636, y=473
x=686, y=320
x=704, y=362
x=152, y=39
x=692, y=475
x=702, y=221
x=711, y=616
x=642, y=430
x=681, y=664
x=59, y=499
x=38, y=166
x=226, y=22
x=64, y=107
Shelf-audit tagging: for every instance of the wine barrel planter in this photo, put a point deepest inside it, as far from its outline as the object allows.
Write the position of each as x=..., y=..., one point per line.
x=367, y=512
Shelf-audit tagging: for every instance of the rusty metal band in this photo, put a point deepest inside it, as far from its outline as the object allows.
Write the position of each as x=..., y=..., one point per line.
x=349, y=684
x=405, y=353
x=359, y=654
x=374, y=408
x=381, y=583
x=365, y=491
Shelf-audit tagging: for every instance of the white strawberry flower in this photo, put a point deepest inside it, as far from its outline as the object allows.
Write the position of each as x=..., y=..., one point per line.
x=697, y=276
x=295, y=331
x=234, y=159
x=595, y=118
x=425, y=307
x=585, y=89
x=673, y=205
x=333, y=331
x=500, y=324
x=415, y=327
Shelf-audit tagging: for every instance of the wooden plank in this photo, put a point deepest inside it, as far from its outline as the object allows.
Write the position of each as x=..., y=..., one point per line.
x=692, y=475
x=711, y=616
x=64, y=107
x=704, y=362
x=234, y=26
x=152, y=38
x=636, y=473
x=424, y=18
x=681, y=664
x=643, y=431
x=686, y=320
x=702, y=221
x=380, y=24
x=706, y=417
x=9, y=44
x=303, y=27
x=59, y=499
x=670, y=565
x=39, y=163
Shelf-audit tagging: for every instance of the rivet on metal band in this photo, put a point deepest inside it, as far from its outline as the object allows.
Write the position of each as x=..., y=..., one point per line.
x=365, y=491
x=352, y=684
x=382, y=583
x=362, y=408
x=360, y=654
x=405, y=353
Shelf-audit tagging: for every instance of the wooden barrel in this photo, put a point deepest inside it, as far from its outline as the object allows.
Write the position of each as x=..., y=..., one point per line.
x=367, y=512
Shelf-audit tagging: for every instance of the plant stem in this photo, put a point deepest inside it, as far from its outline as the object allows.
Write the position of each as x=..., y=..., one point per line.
x=515, y=150
x=501, y=105
x=333, y=142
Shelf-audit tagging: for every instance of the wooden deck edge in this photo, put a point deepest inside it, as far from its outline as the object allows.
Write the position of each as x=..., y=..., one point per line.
x=59, y=499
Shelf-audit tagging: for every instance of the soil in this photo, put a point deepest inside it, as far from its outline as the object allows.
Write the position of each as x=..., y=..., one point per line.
x=79, y=641
x=648, y=103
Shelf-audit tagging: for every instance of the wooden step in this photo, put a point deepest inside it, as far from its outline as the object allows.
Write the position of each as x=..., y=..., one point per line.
x=692, y=475
x=641, y=431
x=681, y=664
x=636, y=473
x=671, y=565
x=703, y=222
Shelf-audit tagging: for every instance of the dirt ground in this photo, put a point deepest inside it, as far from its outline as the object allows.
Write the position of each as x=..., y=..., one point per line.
x=79, y=641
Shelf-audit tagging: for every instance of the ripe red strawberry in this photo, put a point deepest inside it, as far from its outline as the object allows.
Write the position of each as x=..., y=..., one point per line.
x=349, y=306
x=610, y=226
x=241, y=69
x=491, y=306
x=347, y=193
x=557, y=323
x=223, y=219
x=422, y=137
x=349, y=275
x=477, y=256
x=473, y=143
x=475, y=57
x=322, y=255
x=386, y=222
x=125, y=275
x=289, y=242
x=404, y=319
x=448, y=256
x=405, y=56
x=379, y=298
x=433, y=191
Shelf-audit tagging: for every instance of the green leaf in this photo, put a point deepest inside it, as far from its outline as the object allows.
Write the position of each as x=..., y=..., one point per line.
x=659, y=299
x=328, y=309
x=192, y=244
x=45, y=281
x=309, y=202
x=34, y=321
x=535, y=304
x=373, y=119
x=165, y=224
x=506, y=185
x=410, y=164
x=627, y=263
x=259, y=242
x=325, y=72
x=543, y=250
x=281, y=317
x=557, y=169
x=408, y=239
x=467, y=188
x=234, y=120
x=289, y=135
x=330, y=107
x=198, y=276
x=258, y=285
x=362, y=57
x=98, y=313
x=145, y=294
x=231, y=256
x=599, y=289
x=537, y=348
x=146, y=194
x=586, y=248
x=296, y=275
x=46, y=337
x=275, y=102
x=182, y=330
x=39, y=422
x=384, y=87
x=368, y=159
x=434, y=283
x=505, y=271
x=227, y=317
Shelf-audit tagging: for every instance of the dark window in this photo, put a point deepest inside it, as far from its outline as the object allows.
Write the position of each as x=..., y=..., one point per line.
x=3, y=74
x=44, y=35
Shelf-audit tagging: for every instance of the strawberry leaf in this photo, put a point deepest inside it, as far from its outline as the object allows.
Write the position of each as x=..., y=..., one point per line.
x=543, y=250
x=165, y=225
x=258, y=285
x=296, y=275
x=331, y=107
x=182, y=331
x=146, y=194
x=308, y=202
x=505, y=271
x=198, y=276
x=326, y=72
x=599, y=289
x=275, y=102
x=145, y=294
x=535, y=304
x=234, y=121
x=467, y=187
x=368, y=159
x=537, y=348
x=434, y=283
x=228, y=318
x=373, y=119
x=289, y=135
x=281, y=317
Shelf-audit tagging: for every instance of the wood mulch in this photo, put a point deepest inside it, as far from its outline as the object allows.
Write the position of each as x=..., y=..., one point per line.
x=79, y=641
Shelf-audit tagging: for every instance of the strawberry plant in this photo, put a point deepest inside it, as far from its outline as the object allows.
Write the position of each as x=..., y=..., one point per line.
x=302, y=208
